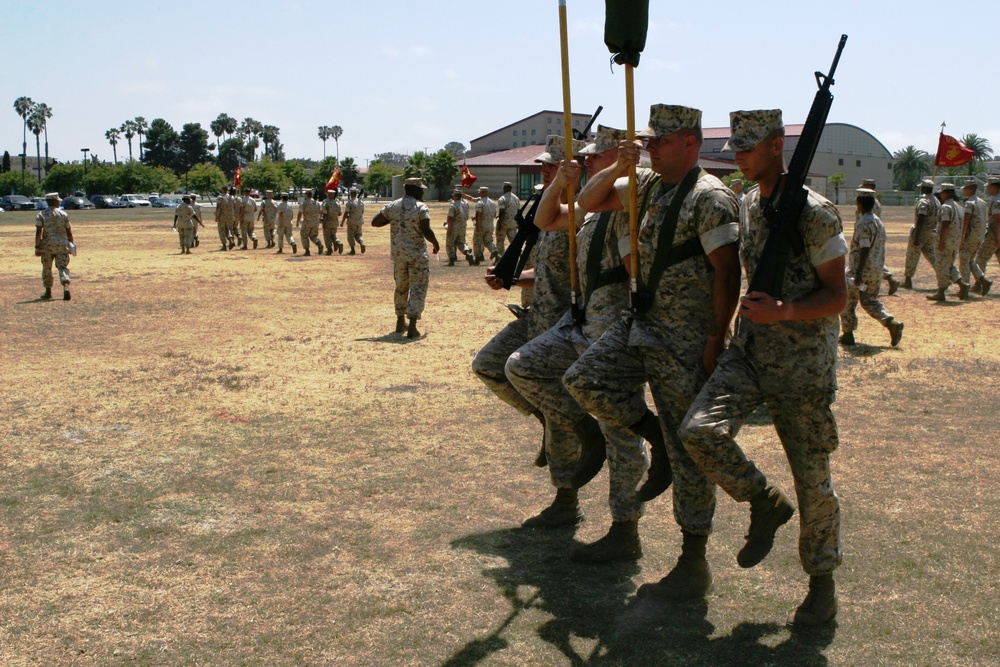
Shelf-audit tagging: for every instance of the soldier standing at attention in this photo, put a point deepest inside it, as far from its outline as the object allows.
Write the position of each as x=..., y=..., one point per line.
x=331, y=220
x=285, y=225
x=869, y=184
x=224, y=215
x=784, y=354
x=923, y=233
x=973, y=233
x=482, y=230
x=354, y=217
x=53, y=234
x=184, y=225
x=949, y=237
x=689, y=271
x=198, y=220
x=248, y=214
x=269, y=213
x=864, y=272
x=409, y=223
x=991, y=244
x=507, y=208
x=456, y=225
x=309, y=215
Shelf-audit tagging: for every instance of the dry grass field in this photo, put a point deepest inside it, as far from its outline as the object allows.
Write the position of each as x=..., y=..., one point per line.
x=228, y=459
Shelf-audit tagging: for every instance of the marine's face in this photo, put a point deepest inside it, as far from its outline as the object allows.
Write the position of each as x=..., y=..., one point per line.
x=548, y=173
x=760, y=159
x=601, y=161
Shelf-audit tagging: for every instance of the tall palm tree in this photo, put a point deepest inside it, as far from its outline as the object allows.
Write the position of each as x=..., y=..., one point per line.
x=269, y=136
x=140, y=128
x=129, y=130
x=36, y=123
x=218, y=127
x=230, y=124
x=415, y=165
x=908, y=165
x=23, y=107
x=46, y=111
x=112, y=136
x=324, y=134
x=981, y=151
x=336, y=131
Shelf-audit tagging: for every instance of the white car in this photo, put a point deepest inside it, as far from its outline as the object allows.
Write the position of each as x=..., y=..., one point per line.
x=131, y=201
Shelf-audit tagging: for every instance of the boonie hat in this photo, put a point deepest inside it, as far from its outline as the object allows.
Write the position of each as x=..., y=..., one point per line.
x=749, y=128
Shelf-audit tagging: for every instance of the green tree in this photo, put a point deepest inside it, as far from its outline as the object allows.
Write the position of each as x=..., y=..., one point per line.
x=11, y=183
x=456, y=148
x=415, y=165
x=141, y=126
x=336, y=132
x=379, y=178
x=205, y=177
x=296, y=174
x=909, y=166
x=65, y=178
x=103, y=179
x=836, y=180
x=36, y=123
x=323, y=131
x=269, y=136
x=113, y=135
x=5, y=165
x=231, y=156
x=251, y=130
x=981, y=152
x=323, y=169
x=193, y=147
x=441, y=170
x=265, y=175
x=162, y=145
x=128, y=131
x=223, y=126
x=349, y=172
x=45, y=111
x=393, y=160
x=23, y=107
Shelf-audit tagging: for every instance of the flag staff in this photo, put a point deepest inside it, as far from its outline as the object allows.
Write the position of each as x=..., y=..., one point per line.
x=934, y=173
x=568, y=155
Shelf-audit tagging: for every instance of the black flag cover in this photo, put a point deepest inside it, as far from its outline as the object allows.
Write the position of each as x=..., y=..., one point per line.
x=625, y=25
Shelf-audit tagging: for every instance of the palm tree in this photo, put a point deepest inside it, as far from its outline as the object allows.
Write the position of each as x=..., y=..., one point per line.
x=908, y=165
x=112, y=136
x=140, y=128
x=36, y=123
x=324, y=134
x=981, y=151
x=269, y=135
x=128, y=129
x=218, y=129
x=23, y=107
x=336, y=131
x=415, y=165
x=46, y=112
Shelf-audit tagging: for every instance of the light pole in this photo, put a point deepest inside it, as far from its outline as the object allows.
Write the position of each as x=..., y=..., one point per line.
x=84, y=151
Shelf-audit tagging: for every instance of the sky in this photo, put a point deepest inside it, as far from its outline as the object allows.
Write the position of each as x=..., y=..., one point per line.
x=402, y=76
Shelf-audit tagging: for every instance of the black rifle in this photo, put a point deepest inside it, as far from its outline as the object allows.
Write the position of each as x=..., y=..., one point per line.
x=577, y=134
x=789, y=197
x=508, y=268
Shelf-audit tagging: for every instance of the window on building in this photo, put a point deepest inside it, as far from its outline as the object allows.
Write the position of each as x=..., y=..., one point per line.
x=515, y=133
x=533, y=142
x=550, y=120
x=858, y=163
x=524, y=133
x=840, y=162
x=532, y=133
x=515, y=145
x=889, y=166
x=576, y=123
x=524, y=143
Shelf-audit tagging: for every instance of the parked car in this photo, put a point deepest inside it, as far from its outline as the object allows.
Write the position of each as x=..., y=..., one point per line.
x=131, y=201
x=76, y=203
x=40, y=203
x=17, y=203
x=105, y=201
x=165, y=202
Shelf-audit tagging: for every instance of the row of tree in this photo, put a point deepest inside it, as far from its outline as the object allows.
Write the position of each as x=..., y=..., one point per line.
x=36, y=118
x=912, y=164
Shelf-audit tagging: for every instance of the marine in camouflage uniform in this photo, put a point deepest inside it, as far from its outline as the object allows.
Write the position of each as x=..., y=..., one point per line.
x=482, y=229
x=331, y=220
x=456, y=226
x=184, y=224
x=507, y=207
x=233, y=228
x=869, y=184
x=284, y=225
x=551, y=299
x=864, y=272
x=949, y=237
x=354, y=218
x=991, y=244
x=674, y=342
x=225, y=215
x=784, y=355
x=53, y=234
x=923, y=233
x=973, y=232
x=409, y=230
x=269, y=215
x=197, y=218
x=308, y=217
x=248, y=214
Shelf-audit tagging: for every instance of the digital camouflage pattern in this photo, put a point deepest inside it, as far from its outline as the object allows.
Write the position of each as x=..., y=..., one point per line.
x=973, y=239
x=507, y=207
x=666, y=119
x=990, y=247
x=54, y=244
x=950, y=224
x=749, y=128
x=225, y=217
x=926, y=244
x=248, y=215
x=331, y=213
x=284, y=225
x=868, y=233
x=184, y=224
x=550, y=295
x=458, y=218
x=269, y=216
x=482, y=231
x=605, y=139
x=310, y=211
x=354, y=210
x=408, y=251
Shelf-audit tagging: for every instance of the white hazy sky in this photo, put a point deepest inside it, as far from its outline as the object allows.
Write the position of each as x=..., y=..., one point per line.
x=405, y=76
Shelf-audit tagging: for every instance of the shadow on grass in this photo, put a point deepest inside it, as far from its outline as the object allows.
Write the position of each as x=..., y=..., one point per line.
x=38, y=300
x=596, y=603
x=395, y=338
x=863, y=350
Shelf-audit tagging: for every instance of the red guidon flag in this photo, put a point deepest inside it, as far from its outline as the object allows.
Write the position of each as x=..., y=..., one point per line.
x=952, y=153
x=468, y=178
x=334, y=181
x=238, y=177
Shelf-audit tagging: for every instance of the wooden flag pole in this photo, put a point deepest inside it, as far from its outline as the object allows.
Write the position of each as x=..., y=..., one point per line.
x=568, y=137
x=633, y=194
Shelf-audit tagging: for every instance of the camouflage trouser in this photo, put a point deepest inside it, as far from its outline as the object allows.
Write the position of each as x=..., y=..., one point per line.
x=505, y=233
x=944, y=265
x=411, y=277
x=607, y=381
x=268, y=231
x=285, y=234
x=990, y=248
x=489, y=364
x=967, y=253
x=233, y=230
x=870, y=303
x=455, y=242
x=354, y=234
x=60, y=255
x=223, y=232
x=186, y=236
x=536, y=371
x=915, y=247
x=246, y=232
x=310, y=232
x=482, y=237
x=330, y=237
x=808, y=433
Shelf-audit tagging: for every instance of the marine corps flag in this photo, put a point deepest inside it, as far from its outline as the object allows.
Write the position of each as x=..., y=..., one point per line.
x=468, y=178
x=334, y=182
x=238, y=178
x=952, y=153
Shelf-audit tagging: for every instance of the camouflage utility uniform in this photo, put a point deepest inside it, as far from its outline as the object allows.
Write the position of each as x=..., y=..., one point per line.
x=868, y=233
x=925, y=242
x=285, y=226
x=790, y=366
x=507, y=207
x=310, y=211
x=458, y=213
x=184, y=224
x=665, y=345
x=991, y=244
x=944, y=260
x=54, y=244
x=269, y=215
x=973, y=238
x=248, y=214
x=225, y=218
x=482, y=234
x=408, y=250
x=354, y=211
x=331, y=220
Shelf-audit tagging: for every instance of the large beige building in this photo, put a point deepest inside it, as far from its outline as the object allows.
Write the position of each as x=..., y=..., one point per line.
x=530, y=131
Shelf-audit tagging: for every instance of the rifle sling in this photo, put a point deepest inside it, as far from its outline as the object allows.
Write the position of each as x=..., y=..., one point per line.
x=667, y=254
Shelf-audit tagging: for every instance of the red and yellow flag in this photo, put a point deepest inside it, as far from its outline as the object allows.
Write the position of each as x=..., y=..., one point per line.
x=468, y=178
x=238, y=177
x=952, y=153
x=334, y=182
